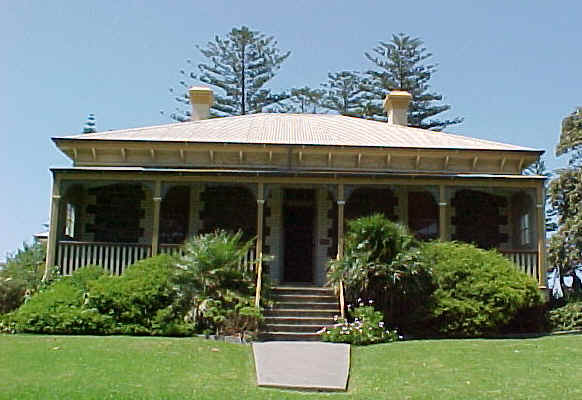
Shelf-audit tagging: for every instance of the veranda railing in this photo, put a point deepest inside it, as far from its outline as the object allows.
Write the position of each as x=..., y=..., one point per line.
x=116, y=257
x=526, y=260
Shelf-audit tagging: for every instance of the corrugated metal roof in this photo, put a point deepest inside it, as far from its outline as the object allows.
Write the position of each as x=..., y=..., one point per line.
x=300, y=129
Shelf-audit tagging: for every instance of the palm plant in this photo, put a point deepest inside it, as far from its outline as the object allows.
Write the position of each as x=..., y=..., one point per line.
x=381, y=262
x=211, y=279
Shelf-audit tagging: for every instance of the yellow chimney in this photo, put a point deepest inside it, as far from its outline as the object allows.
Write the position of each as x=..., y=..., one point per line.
x=201, y=100
x=396, y=106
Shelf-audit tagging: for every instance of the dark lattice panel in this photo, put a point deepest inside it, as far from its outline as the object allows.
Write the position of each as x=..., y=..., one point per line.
x=175, y=215
x=367, y=201
x=423, y=215
x=477, y=218
x=117, y=213
x=229, y=208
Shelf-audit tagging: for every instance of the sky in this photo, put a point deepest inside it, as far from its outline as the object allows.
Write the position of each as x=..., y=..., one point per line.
x=511, y=69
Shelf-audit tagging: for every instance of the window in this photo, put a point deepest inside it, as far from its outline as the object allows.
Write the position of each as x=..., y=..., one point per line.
x=70, y=221
x=524, y=232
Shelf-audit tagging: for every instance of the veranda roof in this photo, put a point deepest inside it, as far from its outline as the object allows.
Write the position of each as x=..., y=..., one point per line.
x=299, y=129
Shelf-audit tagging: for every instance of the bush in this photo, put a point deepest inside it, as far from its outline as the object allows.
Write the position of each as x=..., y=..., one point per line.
x=12, y=293
x=59, y=309
x=137, y=299
x=478, y=292
x=382, y=261
x=367, y=328
x=21, y=275
x=210, y=291
x=568, y=317
x=214, y=289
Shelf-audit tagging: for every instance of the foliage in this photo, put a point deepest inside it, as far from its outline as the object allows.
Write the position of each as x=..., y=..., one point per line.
x=478, y=292
x=539, y=168
x=344, y=93
x=567, y=318
x=22, y=275
x=60, y=308
x=138, y=301
x=239, y=65
x=213, y=285
x=571, y=137
x=566, y=196
x=367, y=328
x=12, y=294
x=382, y=261
x=302, y=100
x=89, y=126
x=401, y=64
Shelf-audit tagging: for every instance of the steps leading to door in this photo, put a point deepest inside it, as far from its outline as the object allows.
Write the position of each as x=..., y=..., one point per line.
x=299, y=312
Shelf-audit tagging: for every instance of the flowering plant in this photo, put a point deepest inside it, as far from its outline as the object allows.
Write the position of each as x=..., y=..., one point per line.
x=367, y=327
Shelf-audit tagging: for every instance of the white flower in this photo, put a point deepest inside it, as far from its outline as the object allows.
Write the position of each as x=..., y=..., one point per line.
x=370, y=301
x=381, y=324
x=335, y=317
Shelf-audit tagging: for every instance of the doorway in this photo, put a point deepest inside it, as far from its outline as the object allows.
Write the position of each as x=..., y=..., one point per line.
x=298, y=226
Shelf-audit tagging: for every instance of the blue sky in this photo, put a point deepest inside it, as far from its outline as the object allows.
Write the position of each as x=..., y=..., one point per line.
x=510, y=68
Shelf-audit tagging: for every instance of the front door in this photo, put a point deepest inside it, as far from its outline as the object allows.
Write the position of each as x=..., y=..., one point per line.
x=298, y=221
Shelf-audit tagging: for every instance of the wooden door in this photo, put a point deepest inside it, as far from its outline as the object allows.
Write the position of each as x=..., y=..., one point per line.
x=298, y=220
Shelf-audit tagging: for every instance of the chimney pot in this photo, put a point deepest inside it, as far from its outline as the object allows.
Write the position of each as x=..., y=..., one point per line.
x=201, y=100
x=396, y=106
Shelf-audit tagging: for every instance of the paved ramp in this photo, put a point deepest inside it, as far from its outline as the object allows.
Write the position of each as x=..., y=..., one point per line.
x=302, y=365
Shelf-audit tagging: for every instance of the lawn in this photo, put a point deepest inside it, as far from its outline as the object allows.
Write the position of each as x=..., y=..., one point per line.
x=89, y=367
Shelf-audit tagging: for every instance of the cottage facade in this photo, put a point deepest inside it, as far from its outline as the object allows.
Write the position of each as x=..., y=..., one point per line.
x=290, y=181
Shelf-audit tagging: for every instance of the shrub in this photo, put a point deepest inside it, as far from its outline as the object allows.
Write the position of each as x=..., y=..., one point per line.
x=59, y=308
x=367, y=328
x=135, y=299
x=21, y=275
x=478, y=292
x=213, y=286
x=382, y=261
x=568, y=317
x=12, y=293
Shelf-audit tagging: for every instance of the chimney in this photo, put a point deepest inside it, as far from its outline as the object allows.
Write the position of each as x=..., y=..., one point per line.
x=396, y=106
x=201, y=100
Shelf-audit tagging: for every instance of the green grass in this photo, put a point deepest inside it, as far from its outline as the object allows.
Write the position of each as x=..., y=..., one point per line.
x=89, y=367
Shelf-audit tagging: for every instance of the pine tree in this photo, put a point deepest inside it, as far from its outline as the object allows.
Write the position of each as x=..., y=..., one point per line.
x=566, y=195
x=238, y=65
x=402, y=64
x=539, y=168
x=305, y=100
x=89, y=126
x=344, y=92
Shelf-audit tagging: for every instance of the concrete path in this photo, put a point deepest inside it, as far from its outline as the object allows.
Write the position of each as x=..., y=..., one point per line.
x=302, y=365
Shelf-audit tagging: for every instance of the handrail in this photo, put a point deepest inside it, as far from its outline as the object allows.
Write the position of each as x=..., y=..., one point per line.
x=259, y=280
x=81, y=243
x=342, y=299
x=512, y=251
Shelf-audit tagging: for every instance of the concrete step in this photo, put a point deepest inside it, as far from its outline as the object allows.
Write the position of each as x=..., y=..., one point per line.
x=300, y=305
x=299, y=312
x=292, y=328
x=299, y=321
x=302, y=312
x=308, y=298
x=305, y=290
x=290, y=336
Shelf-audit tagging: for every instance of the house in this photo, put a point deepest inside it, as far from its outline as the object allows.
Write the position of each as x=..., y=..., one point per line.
x=290, y=180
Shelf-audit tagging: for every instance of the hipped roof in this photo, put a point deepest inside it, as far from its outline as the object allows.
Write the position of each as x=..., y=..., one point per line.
x=299, y=129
